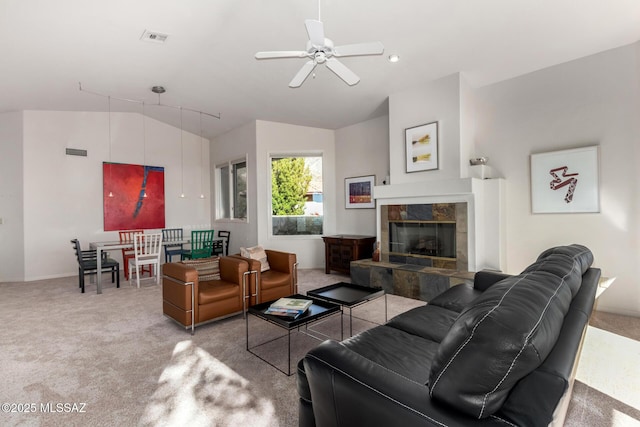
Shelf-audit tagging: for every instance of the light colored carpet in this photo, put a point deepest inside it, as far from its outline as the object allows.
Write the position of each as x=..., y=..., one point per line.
x=113, y=359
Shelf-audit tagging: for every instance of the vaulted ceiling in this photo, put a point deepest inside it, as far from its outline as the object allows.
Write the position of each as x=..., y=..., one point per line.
x=207, y=63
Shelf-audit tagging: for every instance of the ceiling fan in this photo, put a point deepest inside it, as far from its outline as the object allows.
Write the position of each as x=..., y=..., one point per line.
x=321, y=50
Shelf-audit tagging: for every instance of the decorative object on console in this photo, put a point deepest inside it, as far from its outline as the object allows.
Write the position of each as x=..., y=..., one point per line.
x=565, y=181
x=478, y=161
x=359, y=192
x=422, y=147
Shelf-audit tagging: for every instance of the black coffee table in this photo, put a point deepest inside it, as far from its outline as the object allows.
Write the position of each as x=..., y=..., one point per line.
x=349, y=295
x=319, y=309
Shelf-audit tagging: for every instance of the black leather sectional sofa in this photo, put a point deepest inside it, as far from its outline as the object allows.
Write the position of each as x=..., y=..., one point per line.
x=502, y=352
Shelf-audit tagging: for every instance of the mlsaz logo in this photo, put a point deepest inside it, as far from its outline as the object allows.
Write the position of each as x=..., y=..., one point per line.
x=562, y=179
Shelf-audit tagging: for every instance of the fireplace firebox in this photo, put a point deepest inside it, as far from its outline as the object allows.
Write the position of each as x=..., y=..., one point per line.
x=427, y=234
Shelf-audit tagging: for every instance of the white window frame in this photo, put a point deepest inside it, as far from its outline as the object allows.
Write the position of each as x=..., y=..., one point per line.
x=282, y=154
x=230, y=190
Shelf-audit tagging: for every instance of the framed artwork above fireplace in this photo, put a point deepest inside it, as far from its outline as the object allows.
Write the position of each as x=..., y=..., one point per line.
x=422, y=147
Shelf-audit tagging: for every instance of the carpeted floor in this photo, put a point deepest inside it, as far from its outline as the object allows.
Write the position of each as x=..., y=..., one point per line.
x=77, y=359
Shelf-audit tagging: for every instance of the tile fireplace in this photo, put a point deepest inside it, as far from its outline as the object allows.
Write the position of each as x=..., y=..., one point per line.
x=425, y=234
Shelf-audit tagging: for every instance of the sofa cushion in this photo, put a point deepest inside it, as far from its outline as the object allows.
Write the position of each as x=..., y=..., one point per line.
x=456, y=298
x=399, y=352
x=430, y=322
x=257, y=253
x=579, y=253
x=514, y=324
x=207, y=268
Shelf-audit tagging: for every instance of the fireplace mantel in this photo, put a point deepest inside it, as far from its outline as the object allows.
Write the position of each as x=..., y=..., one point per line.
x=485, y=212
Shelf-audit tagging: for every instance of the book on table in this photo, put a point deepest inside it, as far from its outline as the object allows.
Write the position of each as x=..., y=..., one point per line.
x=289, y=307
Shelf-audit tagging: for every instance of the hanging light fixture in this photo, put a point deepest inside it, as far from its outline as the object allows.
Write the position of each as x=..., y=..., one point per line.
x=110, y=164
x=181, y=158
x=144, y=152
x=158, y=90
x=201, y=161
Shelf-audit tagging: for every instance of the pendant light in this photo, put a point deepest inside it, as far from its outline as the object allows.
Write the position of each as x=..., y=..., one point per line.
x=110, y=164
x=201, y=161
x=144, y=151
x=181, y=158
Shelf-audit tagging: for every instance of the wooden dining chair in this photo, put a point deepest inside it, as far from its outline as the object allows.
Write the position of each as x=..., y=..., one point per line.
x=173, y=234
x=128, y=253
x=201, y=244
x=146, y=252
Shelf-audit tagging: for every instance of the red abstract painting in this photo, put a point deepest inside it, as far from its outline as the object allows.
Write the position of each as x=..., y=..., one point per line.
x=133, y=196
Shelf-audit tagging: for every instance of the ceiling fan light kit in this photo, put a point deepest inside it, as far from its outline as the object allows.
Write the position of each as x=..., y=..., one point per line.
x=321, y=50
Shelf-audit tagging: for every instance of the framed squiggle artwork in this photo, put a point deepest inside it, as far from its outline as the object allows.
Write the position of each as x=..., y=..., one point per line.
x=133, y=196
x=565, y=181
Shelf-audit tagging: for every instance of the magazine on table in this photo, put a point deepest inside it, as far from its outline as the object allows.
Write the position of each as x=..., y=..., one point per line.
x=297, y=304
x=289, y=307
x=284, y=312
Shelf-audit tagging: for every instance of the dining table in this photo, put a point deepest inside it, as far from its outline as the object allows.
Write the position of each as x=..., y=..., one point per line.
x=114, y=245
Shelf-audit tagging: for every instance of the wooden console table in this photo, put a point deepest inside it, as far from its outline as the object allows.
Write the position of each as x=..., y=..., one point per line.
x=340, y=250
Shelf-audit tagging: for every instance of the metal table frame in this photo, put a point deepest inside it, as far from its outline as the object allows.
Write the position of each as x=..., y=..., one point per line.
x=326, y=309
x=114, y=245
x=358, y=295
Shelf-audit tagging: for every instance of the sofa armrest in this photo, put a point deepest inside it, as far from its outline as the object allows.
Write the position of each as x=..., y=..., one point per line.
x=485, y=278
x=343, y=382
x=180, y=272
x=281, y=261
x=180, y=289
x=233, y=269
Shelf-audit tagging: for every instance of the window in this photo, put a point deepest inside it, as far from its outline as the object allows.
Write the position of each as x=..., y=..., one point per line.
x=231, y=179
x=296, y=195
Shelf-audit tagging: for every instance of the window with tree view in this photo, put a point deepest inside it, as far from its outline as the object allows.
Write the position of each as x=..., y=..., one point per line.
x=296, y=195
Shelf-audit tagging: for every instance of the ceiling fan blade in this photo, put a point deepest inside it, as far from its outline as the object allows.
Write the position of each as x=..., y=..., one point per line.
x=302, y=75
x=315, y=30
x=342, y=71
x=373, y=48
x=281, y=54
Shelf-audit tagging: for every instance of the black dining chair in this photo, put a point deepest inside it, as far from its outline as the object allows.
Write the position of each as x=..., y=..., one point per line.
x=173, y=234
x=88, y=264
x=221, y=246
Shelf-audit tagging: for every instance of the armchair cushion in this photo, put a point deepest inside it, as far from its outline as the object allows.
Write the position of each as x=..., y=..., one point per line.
x=257, y=253
x=207, y=268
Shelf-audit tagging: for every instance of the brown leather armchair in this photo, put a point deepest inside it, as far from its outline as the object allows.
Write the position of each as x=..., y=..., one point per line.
x=281, y=280
x=210, y=299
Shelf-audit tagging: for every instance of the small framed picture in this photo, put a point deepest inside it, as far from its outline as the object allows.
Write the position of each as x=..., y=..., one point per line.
x=565, y=181
x=359, y=192
x=422, y=147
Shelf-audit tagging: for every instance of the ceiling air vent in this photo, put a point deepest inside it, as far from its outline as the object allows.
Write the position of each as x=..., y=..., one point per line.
x=154, y=37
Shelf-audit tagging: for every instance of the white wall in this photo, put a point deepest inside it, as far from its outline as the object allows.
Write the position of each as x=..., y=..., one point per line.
x=361, y=149
x=279, y=138
x=589, y=101
x=439, y=101
x=63, y=194
x=11, y=197
x=237, y=144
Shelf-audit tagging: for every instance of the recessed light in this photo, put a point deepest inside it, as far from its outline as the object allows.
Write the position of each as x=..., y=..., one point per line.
x=394, y=58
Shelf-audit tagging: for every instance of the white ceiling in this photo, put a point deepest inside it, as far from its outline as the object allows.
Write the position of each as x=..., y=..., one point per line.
x=207, y=64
